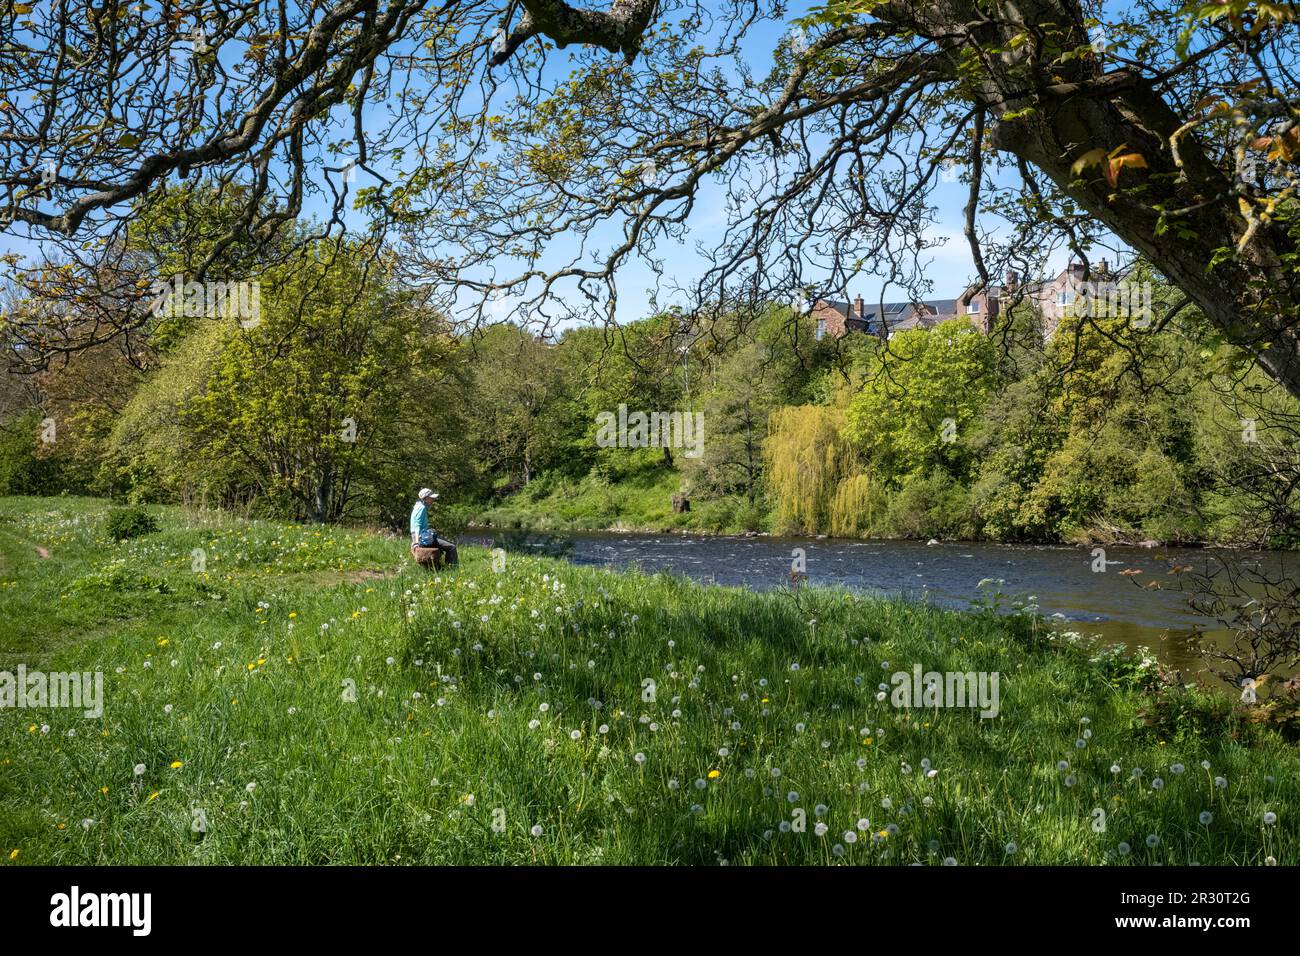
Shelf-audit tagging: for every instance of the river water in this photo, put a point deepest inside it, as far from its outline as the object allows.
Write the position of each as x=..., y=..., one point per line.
x=1106, y=603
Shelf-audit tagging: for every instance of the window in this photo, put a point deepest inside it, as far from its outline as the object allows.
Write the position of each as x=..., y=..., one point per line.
x=1064, y=297
x=973, y=307
x=821, y=328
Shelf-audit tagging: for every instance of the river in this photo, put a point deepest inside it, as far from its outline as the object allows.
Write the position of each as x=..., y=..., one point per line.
x=1106, y=603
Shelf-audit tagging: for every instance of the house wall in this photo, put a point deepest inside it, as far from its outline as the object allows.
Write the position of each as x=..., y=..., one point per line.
x=989, y=305
x=833, y=317
x=1044, y=297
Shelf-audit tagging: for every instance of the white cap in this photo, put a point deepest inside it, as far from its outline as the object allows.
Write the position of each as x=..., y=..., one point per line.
x=426, y=493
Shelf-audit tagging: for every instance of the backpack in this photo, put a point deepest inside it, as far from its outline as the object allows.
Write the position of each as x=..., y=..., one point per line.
x=428, y=538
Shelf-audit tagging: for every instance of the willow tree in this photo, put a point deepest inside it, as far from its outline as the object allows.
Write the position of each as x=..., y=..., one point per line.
x=808, y=460
x=853, y=507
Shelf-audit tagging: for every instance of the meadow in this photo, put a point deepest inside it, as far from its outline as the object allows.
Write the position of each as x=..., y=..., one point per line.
x=294, y=694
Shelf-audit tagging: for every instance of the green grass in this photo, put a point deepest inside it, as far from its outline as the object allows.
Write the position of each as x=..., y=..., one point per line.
x=470, y=686
x=640, y=499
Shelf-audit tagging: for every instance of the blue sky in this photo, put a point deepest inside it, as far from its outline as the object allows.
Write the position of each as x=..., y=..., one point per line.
x=950, y=267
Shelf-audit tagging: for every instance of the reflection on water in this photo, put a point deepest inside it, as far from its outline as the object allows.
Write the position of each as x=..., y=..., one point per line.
x=1106, y=603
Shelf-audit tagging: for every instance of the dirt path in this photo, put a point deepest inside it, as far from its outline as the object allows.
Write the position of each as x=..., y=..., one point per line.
x=43, y=552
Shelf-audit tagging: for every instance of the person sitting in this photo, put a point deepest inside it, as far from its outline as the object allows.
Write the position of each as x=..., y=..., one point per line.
x=422, y=536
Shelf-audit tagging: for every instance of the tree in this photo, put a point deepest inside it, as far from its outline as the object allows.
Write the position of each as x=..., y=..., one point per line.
x=344, y=378
x=736, y=409
x=918, y=398
x=522, y=405
x=1141, y=126
x=808, y=459
x=153, y=452
x=644, y=365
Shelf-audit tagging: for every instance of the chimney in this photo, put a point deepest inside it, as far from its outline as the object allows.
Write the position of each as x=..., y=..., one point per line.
x=1011, y=280
x=857, y=307
x=1103, y=268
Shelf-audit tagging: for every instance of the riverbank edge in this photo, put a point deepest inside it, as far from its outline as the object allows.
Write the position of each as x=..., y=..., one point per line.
x=478, y=527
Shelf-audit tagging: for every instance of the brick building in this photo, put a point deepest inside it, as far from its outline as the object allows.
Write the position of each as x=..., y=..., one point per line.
x=1050, y=299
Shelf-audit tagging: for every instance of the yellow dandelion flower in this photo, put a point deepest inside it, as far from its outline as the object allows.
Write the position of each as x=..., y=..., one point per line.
x=292, y=615
x=103, y=790
x=163, y=642
x=152, y=796
x=14, y=854
x=31, y=729
x=715, y=774
x=252, y=666
x=867, y=741
x=176, y=765
x=234, y=700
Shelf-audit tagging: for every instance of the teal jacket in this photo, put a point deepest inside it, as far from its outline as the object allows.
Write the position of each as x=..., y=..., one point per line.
x=419, y=521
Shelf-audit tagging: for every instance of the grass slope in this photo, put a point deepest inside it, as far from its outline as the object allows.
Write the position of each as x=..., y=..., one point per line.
x=639, y=500
x=310, y=697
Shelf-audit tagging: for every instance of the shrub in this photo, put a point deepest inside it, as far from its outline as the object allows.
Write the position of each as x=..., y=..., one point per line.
x=129, y=522
x=22, y=470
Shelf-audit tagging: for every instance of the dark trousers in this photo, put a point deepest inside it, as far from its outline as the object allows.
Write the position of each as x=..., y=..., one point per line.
x=448, y=549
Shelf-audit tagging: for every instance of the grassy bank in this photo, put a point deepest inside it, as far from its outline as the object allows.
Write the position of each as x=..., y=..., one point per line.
x=641, y=500
x=313, y=698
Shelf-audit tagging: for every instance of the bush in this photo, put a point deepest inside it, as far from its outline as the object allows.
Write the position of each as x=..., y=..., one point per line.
x=129, y=522
x=933, y=505
x=22, y=470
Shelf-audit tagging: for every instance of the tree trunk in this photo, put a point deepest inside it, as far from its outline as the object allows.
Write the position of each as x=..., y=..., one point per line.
x=1252, y=296
x=321, y=504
